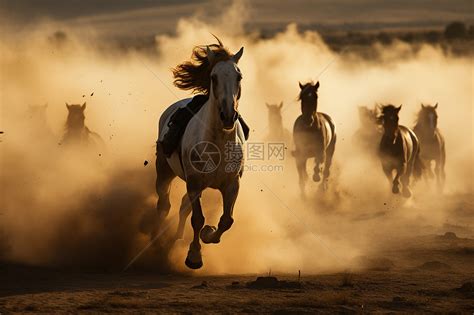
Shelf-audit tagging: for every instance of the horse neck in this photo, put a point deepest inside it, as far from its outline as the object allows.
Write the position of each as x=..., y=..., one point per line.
x=313, y=114
x=390, y=136
x=76, y=131
x=210, y=123
x=425, y=128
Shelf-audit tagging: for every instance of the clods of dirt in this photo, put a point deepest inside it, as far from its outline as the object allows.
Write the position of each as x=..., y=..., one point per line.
x=273, y=283
x=450, y=236
x=203, y=285
x=466, y=289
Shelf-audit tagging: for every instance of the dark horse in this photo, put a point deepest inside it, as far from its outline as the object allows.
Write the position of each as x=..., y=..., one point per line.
x=399, y=151
x=77, y=132
x=432, y=142
x=314, y=135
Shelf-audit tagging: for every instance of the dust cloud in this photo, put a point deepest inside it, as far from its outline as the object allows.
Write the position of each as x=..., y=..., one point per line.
x=92, y=208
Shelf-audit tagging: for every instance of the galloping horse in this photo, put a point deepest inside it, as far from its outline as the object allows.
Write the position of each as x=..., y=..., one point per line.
x=77, y=133
x=211, y=132
x=432, y=142
x=399, y=150
x=314, y=135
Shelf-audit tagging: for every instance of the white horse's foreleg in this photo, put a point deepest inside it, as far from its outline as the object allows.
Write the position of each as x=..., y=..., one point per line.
x=194, y=258
x=184, y=211
x=209, y=234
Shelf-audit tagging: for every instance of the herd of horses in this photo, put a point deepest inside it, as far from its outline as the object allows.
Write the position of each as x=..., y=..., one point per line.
x=401, y=150
x=404, y=153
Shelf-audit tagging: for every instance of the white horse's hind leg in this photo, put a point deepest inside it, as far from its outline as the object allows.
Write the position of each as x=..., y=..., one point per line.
x=184, y=211
x=209, y=234
x=194, y=258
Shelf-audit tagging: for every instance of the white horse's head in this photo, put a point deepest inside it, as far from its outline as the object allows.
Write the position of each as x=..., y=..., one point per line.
x=225, y=88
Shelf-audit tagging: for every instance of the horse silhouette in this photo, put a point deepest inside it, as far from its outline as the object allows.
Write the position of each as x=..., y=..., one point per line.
x=399, y=151
x=277, y=132
x=77, y=133
x=314, y=135
x=432, y=142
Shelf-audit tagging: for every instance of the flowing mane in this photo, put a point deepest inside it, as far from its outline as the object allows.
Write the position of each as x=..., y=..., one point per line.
x=195, y=74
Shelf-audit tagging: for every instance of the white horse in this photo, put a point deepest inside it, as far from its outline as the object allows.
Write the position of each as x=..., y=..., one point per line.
x=202, y=158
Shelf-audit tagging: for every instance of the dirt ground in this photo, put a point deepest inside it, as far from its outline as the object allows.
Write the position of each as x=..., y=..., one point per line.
x=435, y=273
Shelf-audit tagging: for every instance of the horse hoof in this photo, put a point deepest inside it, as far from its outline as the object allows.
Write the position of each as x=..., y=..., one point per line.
x=395, y=189
x=406, y=193
x=193, y=265
x=207, y=235
x=316, y=177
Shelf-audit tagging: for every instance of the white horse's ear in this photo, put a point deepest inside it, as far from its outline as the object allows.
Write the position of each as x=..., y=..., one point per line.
x=436, y=106
x=210, y=55
x=83, y=106
x=301, y=85
x=281, y=105
x=237, y=56
x=317, y=85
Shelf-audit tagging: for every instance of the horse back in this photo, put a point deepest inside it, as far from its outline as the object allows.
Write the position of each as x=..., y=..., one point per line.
x=166, y=116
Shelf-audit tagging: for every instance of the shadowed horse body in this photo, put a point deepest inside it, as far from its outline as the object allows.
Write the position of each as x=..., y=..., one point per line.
x=314, y=135
x=277, y=132
x=200, y=158
x=432, y=142
x=399, y=151
x=77, y=133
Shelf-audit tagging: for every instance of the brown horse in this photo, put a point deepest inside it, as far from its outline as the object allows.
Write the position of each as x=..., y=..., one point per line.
x=399, y=151
x=432, y=142
x=314, y=135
